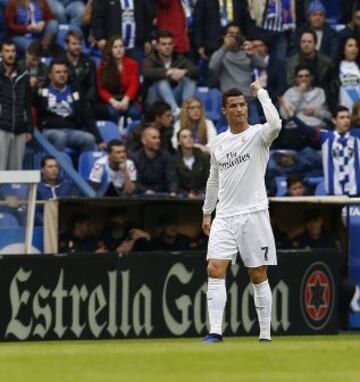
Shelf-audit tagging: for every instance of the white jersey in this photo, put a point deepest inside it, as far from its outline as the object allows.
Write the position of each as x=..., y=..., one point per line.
x=236, y=183
x=101, y=172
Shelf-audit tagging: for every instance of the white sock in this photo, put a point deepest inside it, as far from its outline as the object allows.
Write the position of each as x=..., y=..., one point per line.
x=216, y=299
x=263, y=302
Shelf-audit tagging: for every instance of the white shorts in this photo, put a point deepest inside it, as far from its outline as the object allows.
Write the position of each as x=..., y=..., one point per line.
x=249, y=234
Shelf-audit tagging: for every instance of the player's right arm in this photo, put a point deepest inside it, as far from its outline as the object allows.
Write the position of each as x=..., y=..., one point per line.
x=211, y=195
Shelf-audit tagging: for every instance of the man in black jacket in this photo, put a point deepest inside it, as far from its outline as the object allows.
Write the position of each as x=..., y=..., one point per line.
x=63, y=113
x=155, y=167
x=131, y=20
x=82, y=69
x=15, y=109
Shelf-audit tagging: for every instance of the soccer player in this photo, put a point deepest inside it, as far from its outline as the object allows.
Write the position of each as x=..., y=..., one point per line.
x=236, y=188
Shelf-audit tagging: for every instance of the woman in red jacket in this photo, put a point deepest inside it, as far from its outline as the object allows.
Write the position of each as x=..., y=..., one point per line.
x=29, y=20
x=117, y=83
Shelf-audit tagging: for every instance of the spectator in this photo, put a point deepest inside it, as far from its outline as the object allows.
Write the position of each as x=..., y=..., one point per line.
x=352, y=28
x=305, y=101
x=51, y=185
x=36, y=69
x=15, y=116
x=272, y=76
x=169, y=238
x=52, y=50
x=320, y=65
x=155, y=167
x=29, y=20
x=81, y=239
x=355, y=116
x=347, y=83
x=67, y=11
x=169, y=76
x=170, y=16
x=234, y=62
x=192, y=166
x=118, y=83
x=274, y=20
x=207, y=27
x=122, y=235
x=158, y=116
x=132, y=20
x=340, y=153
x=82, y=70
x=64, y=115
x=114, y=174
x=315, y=235
x=296, y=186
x=192, y=117
x=316, y=21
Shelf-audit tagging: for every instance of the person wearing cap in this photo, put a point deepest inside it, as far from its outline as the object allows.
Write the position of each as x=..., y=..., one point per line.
x=316, y=20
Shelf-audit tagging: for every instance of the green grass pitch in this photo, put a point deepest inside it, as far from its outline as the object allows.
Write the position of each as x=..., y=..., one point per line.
x=288, y=359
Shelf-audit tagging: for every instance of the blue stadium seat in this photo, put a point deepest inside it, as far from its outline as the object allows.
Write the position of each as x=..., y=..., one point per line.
x=46, y=60
x=221, y=127
x=87, y=160
x=108, y=130
x=15, y=189
x=281, y=185
x=8, y=219
x=211, y=99
x=320, y=188
x=131, y=125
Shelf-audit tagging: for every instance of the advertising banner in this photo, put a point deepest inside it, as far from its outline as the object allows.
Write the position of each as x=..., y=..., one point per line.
x=156, y=295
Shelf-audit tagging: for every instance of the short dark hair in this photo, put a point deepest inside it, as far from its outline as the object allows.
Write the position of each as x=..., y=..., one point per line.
x=45, y=159
x=338, y=109
x=311, y=214
x=6, y=41
x=79, y=219
x=300, y=67
x=57, y=62
x=73, y=33
x=310, y=31
x=163, y=34
x=35, y=48
x=113, y=143
x=293, y=178
x=230, y=25
x=157, y=109
x=233, y=92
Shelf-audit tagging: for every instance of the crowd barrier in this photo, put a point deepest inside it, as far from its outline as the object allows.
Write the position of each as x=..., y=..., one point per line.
x=149, y=295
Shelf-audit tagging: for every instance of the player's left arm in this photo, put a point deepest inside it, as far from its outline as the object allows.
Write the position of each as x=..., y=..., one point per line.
x=271, y=129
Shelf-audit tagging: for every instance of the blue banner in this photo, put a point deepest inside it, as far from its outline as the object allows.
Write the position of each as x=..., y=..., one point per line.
x=354, y=261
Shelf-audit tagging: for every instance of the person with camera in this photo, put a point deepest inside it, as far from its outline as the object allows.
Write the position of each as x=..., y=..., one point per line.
x=234, y=62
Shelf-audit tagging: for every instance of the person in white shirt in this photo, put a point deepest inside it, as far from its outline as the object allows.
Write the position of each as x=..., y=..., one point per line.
x=114, y=174
x=236, y=188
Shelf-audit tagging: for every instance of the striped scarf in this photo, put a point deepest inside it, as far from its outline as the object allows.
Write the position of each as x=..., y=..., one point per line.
x=341, y=162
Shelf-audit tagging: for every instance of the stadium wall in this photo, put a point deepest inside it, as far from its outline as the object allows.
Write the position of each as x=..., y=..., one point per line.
x=156, y=295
